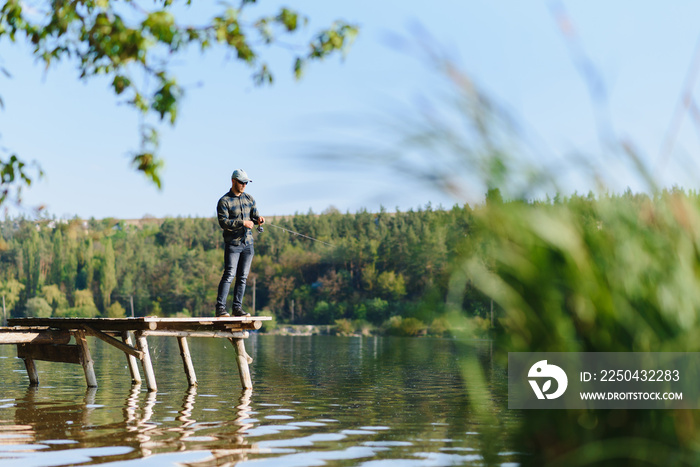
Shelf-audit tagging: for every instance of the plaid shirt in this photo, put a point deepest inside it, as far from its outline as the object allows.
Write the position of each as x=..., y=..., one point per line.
x=232, y=211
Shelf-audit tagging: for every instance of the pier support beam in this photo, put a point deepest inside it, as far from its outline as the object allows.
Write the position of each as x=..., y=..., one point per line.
x=131, y=360
x=142, y=345
x=48, y=339
x=243, y=360
x=88, y=363
x=31, y=372
x=187, y=361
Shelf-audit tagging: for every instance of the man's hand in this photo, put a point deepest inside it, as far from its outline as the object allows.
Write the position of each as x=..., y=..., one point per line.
x=261, y=220
x=248, y=224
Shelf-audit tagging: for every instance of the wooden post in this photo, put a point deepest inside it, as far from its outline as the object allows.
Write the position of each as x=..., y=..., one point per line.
x=88, y=363
x=131, y=302
x=142, y=345
x=187, y=361
x=31, y=372
x=131, y=360
x=4, y=313
x=243, y=359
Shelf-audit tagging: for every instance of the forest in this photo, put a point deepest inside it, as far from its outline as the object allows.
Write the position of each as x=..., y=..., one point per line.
x=387, y=271
x=366, y=268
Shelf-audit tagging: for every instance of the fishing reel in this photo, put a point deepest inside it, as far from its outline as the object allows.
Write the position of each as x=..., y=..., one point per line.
x=260, y=229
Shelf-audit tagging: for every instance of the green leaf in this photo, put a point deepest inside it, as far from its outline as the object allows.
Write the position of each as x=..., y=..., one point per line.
x=166, y=98
x=338, y=38
x=289, y=19
x=161, y=24
x=120, y=83
x=298, y=68
x=150, y=165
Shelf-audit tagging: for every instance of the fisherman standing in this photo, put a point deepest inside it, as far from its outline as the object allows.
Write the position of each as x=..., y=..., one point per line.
x=237, y=215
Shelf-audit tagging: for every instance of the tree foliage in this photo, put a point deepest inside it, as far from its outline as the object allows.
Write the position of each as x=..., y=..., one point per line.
x=134, y=43
x=37, y=307
x=10, y=291
x=170, y=265
x=371, y=267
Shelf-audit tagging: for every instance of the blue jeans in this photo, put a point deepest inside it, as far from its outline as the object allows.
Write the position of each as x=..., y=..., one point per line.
x=237, y=261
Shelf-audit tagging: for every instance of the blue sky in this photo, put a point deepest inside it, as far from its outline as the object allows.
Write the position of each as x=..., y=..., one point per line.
x=82, y=136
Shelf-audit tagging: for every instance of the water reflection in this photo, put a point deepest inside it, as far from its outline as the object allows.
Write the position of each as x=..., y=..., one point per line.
x=43, y=425
x=132, y=402
x=48, y=420
x=141, y=426
x=154, y=437
x=315, y=400
x=185, y=413
x=244, y=411
x=238, y=447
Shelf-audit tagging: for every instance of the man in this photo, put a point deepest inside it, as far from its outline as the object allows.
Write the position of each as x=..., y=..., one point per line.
x=237, y=215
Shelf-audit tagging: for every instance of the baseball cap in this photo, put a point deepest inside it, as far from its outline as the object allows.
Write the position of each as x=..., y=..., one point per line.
x=241, y=176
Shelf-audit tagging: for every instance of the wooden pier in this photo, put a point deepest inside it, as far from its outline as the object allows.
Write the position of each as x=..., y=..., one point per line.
x=48, y=339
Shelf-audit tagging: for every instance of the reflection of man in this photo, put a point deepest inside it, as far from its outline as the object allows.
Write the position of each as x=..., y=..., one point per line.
x=237, y=215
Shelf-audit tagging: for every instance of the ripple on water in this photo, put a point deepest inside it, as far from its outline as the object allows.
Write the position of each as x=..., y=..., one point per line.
x=266, y=430
x=308, y=424
x=358, y=432
x=318, y=458
x=388, y=443
x=303, y=441
x=317, y=401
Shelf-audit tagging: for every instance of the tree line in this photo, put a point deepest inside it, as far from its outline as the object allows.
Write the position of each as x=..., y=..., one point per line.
x=366, y=267
x=390, y=269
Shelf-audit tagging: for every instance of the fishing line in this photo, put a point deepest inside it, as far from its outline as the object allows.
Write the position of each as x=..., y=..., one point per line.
x=294, y=233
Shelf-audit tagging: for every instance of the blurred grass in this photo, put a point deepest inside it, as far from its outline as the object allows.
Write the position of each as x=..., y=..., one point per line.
x=620, y=274
x=595, y=273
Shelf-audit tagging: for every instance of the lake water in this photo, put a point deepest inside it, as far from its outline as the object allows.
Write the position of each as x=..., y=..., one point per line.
x=317, y=400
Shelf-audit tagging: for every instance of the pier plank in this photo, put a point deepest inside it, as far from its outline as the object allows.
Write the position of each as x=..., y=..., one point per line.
x=220, y=334
x=34, y=336
x=147, y=323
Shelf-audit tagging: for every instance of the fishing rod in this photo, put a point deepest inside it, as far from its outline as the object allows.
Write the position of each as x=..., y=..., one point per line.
x=261, y=229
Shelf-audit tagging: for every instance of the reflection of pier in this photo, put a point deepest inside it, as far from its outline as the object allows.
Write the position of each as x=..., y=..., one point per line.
x=153, y=437
x=37, y=419
x=48, y=339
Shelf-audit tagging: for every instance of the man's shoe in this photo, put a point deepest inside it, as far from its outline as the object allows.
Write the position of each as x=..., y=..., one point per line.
x=222, y=314
x=238, y=312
